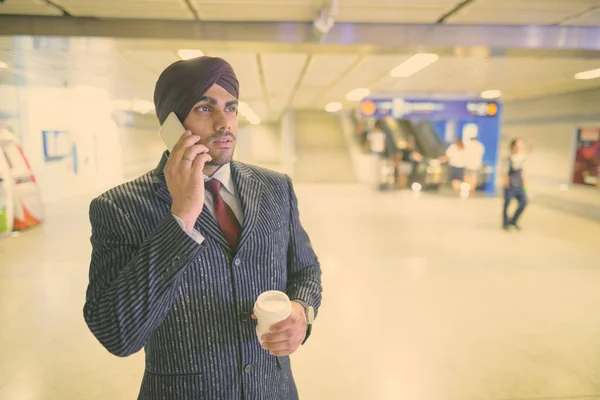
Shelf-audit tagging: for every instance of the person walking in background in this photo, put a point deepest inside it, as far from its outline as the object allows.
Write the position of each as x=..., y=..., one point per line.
x=514, y=184
x=376, y=146
x=457, y=160
x=376, y=138
x=405, y=161
x=474, y=161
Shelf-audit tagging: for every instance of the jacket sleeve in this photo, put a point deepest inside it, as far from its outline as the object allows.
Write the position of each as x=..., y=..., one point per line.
x=304, y=269
x=133, y=280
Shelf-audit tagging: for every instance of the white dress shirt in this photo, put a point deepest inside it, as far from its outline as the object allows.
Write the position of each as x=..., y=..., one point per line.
x=457, y=157
x=228, y=194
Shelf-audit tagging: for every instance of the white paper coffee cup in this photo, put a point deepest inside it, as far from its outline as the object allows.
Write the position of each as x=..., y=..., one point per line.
x=271, y=307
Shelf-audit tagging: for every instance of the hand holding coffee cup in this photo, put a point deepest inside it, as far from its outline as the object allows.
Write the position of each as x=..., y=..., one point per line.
x=281, y=325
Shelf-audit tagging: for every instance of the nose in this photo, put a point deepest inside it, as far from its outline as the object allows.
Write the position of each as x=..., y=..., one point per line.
x=220, y=122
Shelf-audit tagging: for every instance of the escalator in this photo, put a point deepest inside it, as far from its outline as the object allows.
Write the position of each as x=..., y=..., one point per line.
x=430, y=145
x=429, y=172
x=426, y=139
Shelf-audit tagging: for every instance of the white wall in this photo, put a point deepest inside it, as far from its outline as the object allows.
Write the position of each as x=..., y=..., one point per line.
x=322, y=154
x=140, y=143
x=552, y=122
x=264, y=144
x=85, y=114
x=550, y=159
x=549, y=125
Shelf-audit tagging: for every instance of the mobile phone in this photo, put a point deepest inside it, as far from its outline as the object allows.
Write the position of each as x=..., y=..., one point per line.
x=171, y=131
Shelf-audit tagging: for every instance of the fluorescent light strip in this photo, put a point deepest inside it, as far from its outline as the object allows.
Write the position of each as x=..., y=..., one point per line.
x=358, y=94
x=414, y=64
x=491, y=94
x=248, y=113
x=333, y=107
x=591, y=74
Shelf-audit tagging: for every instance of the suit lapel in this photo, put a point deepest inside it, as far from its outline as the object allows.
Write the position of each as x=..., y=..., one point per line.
x=208, y=226
x=249, y=193
x=159, y=181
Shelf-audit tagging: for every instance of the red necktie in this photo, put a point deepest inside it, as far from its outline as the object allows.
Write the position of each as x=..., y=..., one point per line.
x=225, y=217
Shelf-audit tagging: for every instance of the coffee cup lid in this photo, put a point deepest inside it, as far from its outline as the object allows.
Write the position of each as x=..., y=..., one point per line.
x=273, y=304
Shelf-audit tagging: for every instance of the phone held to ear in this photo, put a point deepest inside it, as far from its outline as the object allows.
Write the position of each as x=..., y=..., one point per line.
x=171, y=131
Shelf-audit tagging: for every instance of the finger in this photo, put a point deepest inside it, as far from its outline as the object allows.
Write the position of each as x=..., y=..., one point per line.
x=281, y=346
x=186, y=140
x=283, y=325
x=282, y=353
x=192, y=152
x=254, y=316
x=198, y=165
x=277, y=337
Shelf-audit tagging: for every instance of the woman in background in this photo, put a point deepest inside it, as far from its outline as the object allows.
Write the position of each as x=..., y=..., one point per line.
x=457, y=160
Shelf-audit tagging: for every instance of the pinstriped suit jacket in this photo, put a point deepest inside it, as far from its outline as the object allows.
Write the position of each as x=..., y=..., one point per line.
x=188, y=305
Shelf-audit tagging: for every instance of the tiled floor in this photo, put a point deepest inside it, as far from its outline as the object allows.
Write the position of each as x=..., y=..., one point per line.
x=425, y=299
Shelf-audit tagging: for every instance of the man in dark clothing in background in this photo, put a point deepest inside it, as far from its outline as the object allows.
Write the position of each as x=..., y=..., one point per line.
x=514, y=184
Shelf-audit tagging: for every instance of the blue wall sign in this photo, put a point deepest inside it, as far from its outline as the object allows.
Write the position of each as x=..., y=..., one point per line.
x=449, y=117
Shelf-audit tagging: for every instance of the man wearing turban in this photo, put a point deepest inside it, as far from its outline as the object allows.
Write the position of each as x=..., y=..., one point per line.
x=181, y=254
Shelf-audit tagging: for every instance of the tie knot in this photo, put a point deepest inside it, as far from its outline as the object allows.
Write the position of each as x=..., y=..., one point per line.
x=213, y=186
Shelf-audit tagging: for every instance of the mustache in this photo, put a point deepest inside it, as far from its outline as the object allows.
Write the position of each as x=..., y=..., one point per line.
x=220, y=135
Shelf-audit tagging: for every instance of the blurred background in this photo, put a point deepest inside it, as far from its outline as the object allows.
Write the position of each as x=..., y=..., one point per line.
x=370, y=107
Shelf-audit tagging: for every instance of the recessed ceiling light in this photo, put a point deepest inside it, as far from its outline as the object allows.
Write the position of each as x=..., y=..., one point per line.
x=186, y=54
x=3, y=65
x=591, y=74
x=358, y=94
x=414, y=64
x=491, y=94
x=334, y=106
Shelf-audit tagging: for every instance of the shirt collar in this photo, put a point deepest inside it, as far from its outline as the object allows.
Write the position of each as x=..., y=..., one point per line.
x=223, y=175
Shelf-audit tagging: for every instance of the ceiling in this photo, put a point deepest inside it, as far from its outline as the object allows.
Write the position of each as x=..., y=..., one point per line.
x=275, y=76
x=272, y=81
x=572, y=12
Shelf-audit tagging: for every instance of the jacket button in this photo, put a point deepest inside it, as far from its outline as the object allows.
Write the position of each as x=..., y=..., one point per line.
x=237, y=262
x=244, y=316
x=248, y=368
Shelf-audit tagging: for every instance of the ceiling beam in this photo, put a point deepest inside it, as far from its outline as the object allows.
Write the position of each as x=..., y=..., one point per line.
x=344, y=34
x=192, y=9
x=579, y=14
x=325, y=20
x=59, y=8
x=299, y=81
x=263, y=82
x=454, y=10
x=336, y=81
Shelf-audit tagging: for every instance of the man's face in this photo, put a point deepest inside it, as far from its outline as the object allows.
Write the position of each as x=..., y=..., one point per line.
x=214, y=119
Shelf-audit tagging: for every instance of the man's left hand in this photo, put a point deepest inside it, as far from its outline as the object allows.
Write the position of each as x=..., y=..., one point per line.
x=287, y=335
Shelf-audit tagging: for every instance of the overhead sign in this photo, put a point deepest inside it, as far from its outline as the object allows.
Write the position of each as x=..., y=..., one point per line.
x=431, y=109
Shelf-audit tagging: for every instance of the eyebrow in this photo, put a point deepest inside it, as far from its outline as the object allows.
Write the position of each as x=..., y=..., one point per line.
x=214, y=102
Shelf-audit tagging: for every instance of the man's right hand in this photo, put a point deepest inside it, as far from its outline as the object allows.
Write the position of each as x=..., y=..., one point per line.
x=185, y=178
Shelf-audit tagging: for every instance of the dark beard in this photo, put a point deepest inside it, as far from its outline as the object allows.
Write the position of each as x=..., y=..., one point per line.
x=225, y=158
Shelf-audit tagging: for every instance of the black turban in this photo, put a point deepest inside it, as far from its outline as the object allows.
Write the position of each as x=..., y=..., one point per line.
x=182, y=84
